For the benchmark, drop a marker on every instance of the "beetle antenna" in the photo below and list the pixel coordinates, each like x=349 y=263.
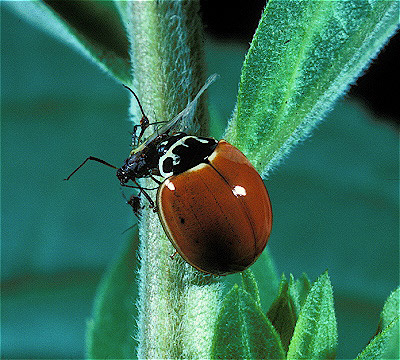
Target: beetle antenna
x=94 y=159
x=129 y=228
x=137 y=99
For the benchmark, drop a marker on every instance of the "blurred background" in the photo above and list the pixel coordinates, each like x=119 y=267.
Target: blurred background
x=335 y=198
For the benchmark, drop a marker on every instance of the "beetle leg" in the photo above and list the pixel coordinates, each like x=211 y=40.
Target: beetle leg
x=139 y=187
x=142 y=190
x=144 y=124
x=145 y=194
x=134 y=137
x=173 y=255
x=155 y=180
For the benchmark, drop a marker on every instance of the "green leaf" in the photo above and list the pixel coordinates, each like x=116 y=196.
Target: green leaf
x=92 y=27
x=285 y=309
x=282 y=313
x=250 y=285
x=298 y=290
x=315 y=334
x=391 y=310
x=243 y=331
x=267 y=278
x=303 y=286
x=302 y=58
x=111 y=330
x=385 y=345
x=265 y=273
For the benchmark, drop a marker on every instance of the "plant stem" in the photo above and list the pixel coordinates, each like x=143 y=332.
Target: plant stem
x=177 y=304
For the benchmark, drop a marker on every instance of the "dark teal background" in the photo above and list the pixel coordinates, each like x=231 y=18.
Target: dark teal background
x=335 y=198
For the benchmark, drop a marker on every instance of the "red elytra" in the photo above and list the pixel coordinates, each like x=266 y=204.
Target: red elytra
x=218 y=214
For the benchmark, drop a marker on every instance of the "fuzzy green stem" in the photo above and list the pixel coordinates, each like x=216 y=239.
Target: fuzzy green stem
x=177 y=304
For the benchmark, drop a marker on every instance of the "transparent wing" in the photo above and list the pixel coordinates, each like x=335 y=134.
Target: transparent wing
x=184 y=120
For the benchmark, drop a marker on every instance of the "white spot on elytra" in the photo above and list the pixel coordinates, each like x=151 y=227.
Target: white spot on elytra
x=169 y=185
x=239 y=191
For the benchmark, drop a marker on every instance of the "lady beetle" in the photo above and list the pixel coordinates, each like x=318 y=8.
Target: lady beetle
x=212 y=204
